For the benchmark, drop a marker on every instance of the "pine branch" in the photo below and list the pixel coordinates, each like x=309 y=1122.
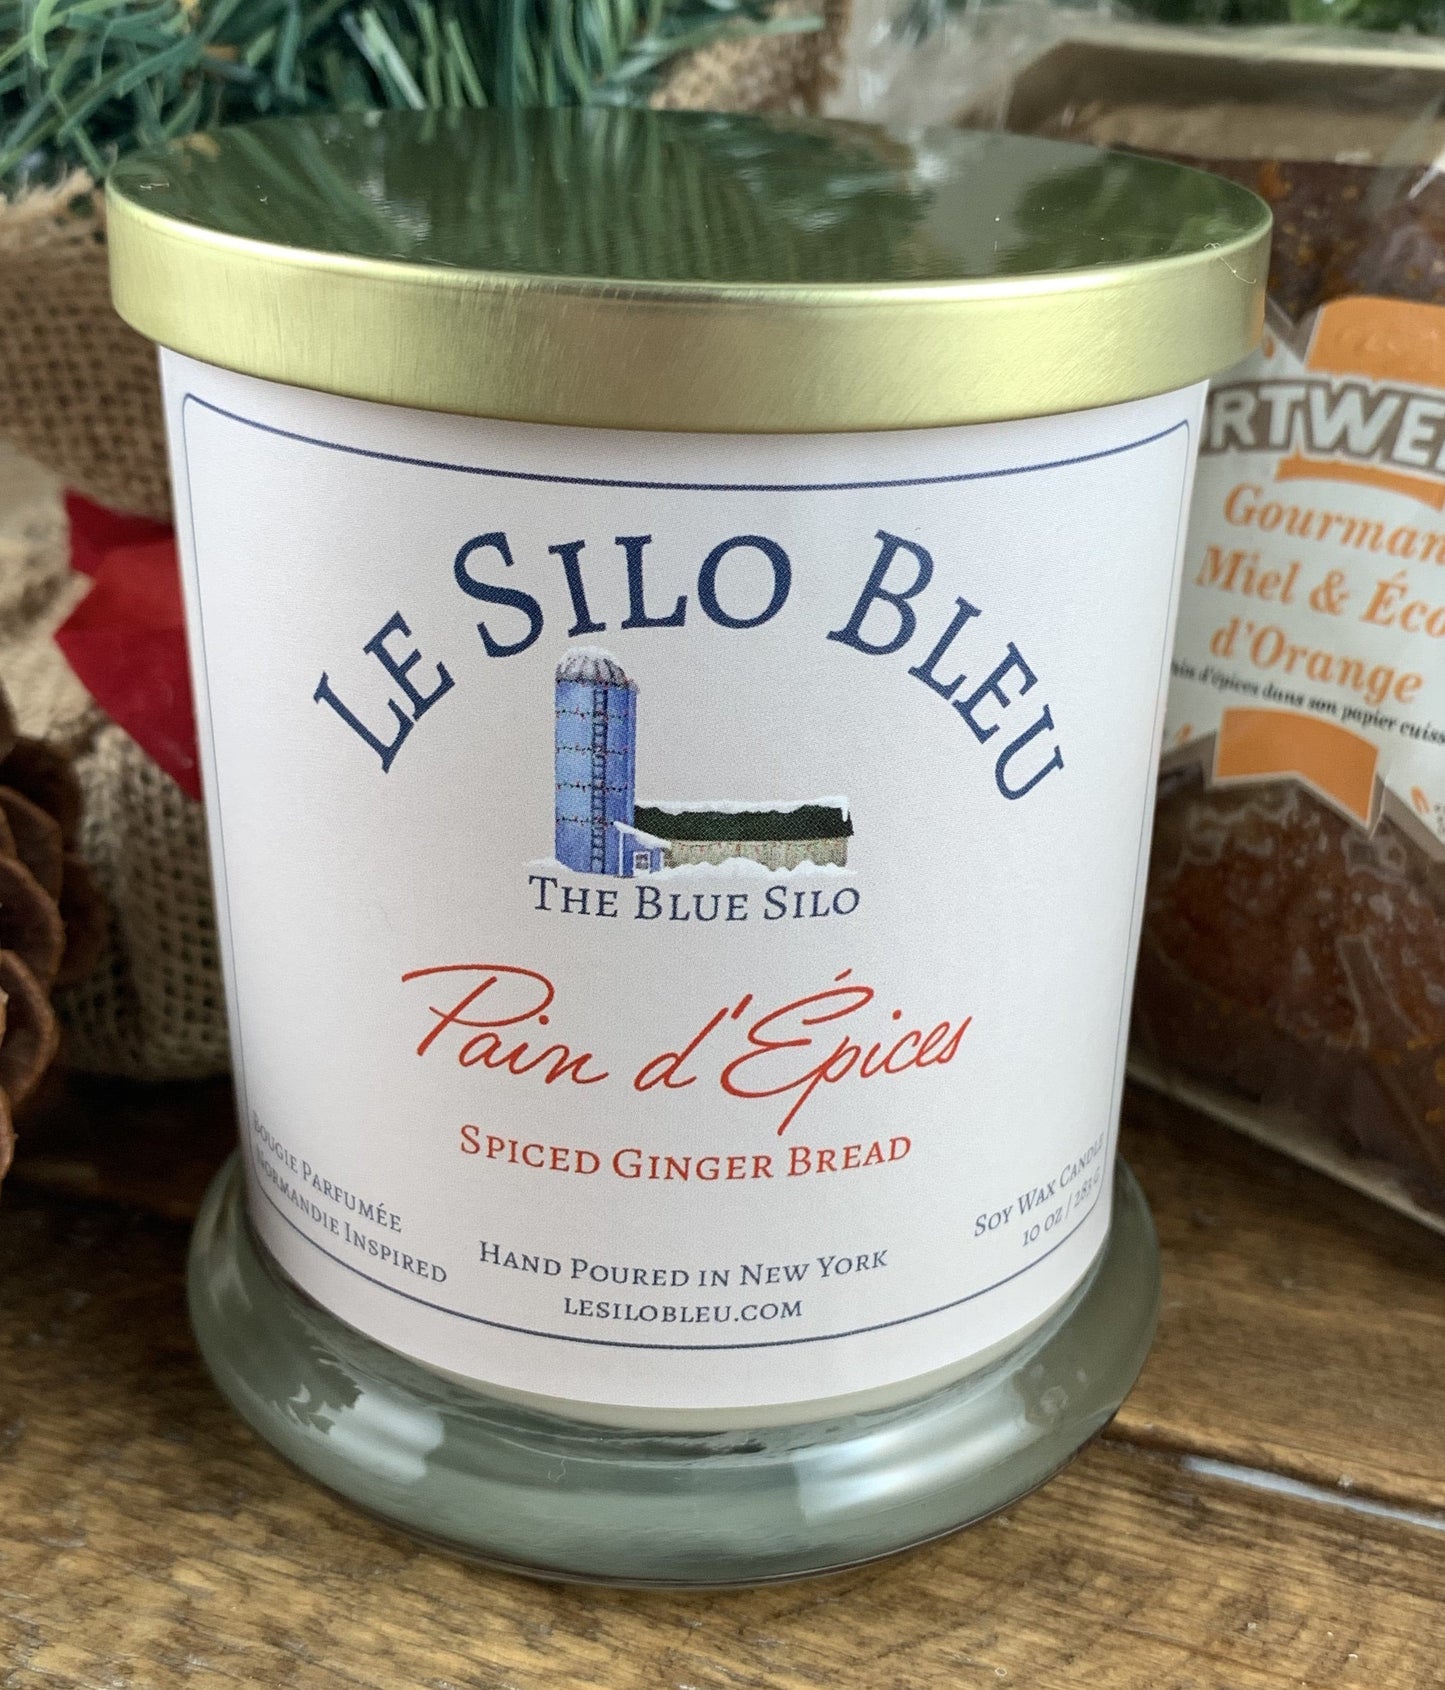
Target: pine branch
x=82 y=81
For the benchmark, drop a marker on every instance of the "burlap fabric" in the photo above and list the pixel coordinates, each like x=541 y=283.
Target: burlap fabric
x=79 y=396
x=760 y=72
x=78 y=389
x=152 y=1008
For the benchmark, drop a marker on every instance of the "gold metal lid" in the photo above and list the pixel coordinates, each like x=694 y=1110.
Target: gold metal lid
x=677 y=270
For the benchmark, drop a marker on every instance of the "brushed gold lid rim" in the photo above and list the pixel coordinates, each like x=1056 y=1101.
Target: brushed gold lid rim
x=691 y=355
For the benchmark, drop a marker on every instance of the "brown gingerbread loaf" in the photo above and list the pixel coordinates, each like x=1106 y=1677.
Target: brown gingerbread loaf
x=1299 y=964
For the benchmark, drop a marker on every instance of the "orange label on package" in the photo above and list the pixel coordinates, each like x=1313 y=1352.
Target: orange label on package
x=1266 y=744
x=1312 y=620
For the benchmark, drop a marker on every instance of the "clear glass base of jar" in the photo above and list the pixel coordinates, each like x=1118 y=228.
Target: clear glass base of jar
x=564 y=1499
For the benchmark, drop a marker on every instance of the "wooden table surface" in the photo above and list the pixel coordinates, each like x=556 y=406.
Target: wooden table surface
x=1267 y=1510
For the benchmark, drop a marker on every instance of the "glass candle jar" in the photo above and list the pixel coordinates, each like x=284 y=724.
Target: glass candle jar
x=679 y=606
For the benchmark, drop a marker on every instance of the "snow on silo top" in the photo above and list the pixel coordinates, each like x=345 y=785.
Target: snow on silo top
x=592 y=664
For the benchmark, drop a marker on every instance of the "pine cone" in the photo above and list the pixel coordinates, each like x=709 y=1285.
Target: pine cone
x=52 y=920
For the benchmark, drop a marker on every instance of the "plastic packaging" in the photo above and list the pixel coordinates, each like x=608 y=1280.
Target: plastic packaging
x=1292 y=972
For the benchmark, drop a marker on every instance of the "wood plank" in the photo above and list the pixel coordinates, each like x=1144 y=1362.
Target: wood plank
x=147 y=1539
x=153 y=1146
x=1303 y=1327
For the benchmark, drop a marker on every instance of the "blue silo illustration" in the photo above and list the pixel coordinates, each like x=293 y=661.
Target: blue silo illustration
x=596 y=760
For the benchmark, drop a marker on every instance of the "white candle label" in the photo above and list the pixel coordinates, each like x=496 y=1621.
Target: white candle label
x=678 y=894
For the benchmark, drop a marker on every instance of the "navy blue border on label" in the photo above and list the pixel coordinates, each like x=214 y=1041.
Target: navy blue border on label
x=257 y=1184
x=677 y=486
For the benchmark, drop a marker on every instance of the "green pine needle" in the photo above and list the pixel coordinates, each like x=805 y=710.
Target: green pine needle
x=83 y=81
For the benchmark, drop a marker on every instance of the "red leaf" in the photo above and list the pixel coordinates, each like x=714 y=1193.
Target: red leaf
x=126 y=639
x=94 y=531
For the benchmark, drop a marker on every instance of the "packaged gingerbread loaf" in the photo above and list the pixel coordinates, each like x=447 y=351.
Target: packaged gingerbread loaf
x=1292 y=973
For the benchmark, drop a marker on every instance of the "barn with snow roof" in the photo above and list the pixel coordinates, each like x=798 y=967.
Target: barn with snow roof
x=602 y=829
x=783 y=835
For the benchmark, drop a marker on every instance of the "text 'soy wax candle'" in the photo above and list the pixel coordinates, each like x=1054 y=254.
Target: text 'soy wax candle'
x=680 y=606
